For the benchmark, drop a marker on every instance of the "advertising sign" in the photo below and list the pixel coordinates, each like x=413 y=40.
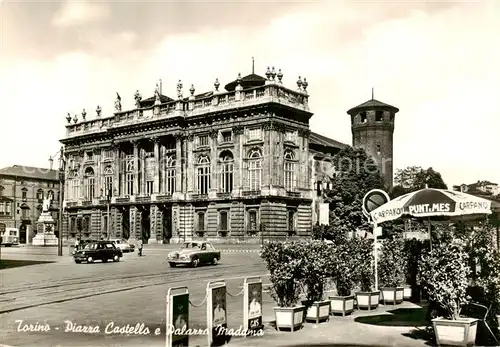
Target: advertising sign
x=177 y=322
x=216 y=312
x=252 y=304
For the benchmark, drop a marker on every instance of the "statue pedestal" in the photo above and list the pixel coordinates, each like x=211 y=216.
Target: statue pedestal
x=45 y=231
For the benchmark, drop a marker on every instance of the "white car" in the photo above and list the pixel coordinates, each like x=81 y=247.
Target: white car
x=123 y=245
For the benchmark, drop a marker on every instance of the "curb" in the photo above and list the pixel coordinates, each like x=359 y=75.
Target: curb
x=240 y=250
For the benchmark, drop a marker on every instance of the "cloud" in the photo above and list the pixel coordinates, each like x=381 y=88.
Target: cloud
x=75 y=13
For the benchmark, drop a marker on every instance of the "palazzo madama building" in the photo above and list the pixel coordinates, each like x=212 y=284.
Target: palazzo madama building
x=237 y=162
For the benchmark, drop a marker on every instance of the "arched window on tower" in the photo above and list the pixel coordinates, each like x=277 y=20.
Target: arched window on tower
x=226 y=170
x=89 y=184
x=203 y=175
x=255 y=169
x=290 y=167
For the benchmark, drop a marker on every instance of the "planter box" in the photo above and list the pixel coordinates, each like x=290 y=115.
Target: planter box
x=367 y=300
x=341 y=304
x=317 y=311
x=289 y=317
x=392 y=295
x=461 y=332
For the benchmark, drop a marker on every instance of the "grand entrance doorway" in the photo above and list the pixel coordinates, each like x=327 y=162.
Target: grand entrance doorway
x=167 y=224
x=126 y=223
x=145 y=223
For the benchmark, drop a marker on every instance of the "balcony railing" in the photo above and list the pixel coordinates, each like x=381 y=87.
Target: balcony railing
x=219 y=101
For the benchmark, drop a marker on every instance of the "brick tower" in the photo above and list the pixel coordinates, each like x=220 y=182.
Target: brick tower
x=372 y=126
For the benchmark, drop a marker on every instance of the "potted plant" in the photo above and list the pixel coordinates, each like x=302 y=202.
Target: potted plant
x=366 y=298
x=444 y=273
x=285 y=264
x=392 y=270
x=342 y=268
x=315 y=274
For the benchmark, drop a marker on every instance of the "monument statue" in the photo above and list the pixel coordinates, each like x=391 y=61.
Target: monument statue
x=137 y=98
x=46 y=203
x=157 y=95
x=118 y=102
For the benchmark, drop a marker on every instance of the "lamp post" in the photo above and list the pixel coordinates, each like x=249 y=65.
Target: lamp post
x=62 y=167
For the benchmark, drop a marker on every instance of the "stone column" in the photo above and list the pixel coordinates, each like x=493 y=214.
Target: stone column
x=154 y=223
x=214 y=175
x=266 y=164
x=142 y=164
x=179 y=162
x=238 y=159
x=82 y=179
x=117 y=168
x=189 y=165
x=156 y=187
x=136 y=166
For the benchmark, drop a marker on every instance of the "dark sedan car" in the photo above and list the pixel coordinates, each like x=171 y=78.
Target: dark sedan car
x=98 y=250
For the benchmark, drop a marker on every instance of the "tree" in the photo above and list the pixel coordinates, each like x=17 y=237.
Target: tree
x=415 y=178
x=356 y=173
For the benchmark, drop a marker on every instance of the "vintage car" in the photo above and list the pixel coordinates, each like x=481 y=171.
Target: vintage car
x=123 y=245
x=98 y=250
x=194 y=253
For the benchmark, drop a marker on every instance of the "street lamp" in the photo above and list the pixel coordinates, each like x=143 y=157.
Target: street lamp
x=62 y=167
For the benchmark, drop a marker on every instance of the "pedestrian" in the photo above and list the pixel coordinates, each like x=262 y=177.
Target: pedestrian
x=139 y=246
x=77 y=243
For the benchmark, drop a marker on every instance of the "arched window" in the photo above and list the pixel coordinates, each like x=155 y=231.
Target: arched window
x=89 y=183
x=129 y=175
x=39 y=194
x=227 y=168
x=169 y=185
x=290 y=167
x=108 y=181
x=203 y=171
x=75 y=186
x=255 y=169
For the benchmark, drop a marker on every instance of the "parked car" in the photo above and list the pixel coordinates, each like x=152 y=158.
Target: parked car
x=194 y=253
x=123 y=245
x=98 y=250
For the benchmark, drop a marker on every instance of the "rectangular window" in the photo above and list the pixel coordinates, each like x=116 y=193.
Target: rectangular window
x=289 y=176
x=252 y=220
x=2 y=209
x=379 y=116
x=149 y=187
x=203 y=180
x=254 y=134
x=25 y=195
x=226 y=136
x=170 y=181
x=201 y=221
x=129 y=179
x=7 y=208
x=203 y=140
x=291 y=220
x=223 y=221
x=90 y=156
x=363 y=117
x=24 y=213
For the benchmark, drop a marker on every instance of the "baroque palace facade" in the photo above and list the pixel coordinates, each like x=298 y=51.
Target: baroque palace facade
x=235 y=163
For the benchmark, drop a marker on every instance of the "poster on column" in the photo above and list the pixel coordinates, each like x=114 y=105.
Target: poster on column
x=254 y=306
x=180 y=319
x=218 y=315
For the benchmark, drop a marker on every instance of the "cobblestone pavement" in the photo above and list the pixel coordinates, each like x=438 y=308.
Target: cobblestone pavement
x=133 y=291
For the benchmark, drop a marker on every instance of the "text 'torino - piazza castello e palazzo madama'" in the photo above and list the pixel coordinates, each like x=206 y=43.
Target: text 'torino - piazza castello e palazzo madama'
x=230 y=163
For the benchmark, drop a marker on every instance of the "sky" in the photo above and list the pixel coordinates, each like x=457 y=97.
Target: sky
x=436 y=61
